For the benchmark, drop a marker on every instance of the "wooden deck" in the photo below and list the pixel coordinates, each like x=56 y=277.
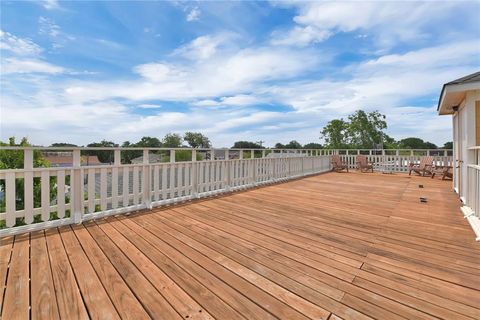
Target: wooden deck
x=332 y=246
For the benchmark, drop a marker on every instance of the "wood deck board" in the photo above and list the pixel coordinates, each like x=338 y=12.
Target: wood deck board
x=332 y=246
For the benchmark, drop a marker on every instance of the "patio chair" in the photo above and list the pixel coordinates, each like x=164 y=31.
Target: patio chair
x=338 y=164
x=363 y=164
x=423 y=168
x=445 y=171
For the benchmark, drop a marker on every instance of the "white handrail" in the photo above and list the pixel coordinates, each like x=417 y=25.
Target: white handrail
x=78 y=193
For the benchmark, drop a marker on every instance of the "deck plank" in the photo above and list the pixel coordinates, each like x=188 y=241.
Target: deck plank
x=6 y=246
x=126 y=303
x=151 y=298
x=69 y=299
x=95 y=297
x=43 y=296
x=331 y=246
x=17 y=295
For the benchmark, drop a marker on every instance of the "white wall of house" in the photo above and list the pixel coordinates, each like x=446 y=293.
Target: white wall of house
x=464 y=136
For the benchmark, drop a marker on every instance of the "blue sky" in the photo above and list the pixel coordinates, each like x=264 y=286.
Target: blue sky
x=274 y=71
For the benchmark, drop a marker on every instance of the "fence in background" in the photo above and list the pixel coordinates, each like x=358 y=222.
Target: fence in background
x=39 y=198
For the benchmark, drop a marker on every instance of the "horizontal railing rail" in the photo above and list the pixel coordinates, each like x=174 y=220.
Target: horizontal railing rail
x=39 y=198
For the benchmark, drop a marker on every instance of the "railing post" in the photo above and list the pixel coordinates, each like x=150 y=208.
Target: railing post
x=263 y=153
x=117 y=157
x=76 y=211
x=146 y=189
x=172 y=155
x=28 y=184
x=194 y=178
x=252 y=154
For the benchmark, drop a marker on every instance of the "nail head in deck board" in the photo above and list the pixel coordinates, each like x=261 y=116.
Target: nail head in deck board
x=16 y=304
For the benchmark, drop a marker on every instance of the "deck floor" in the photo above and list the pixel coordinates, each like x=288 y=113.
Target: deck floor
x=332 y=246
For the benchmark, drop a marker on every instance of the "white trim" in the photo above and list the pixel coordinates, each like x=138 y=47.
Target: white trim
x=473 y=220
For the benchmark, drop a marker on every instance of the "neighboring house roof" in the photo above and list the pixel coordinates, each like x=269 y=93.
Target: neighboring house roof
x=453 y=92
x=152 y=158
x=64 y=159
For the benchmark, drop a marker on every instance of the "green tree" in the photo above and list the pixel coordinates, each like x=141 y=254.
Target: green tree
x=294 y=144
x=149 y=142
x=448 y=145
x=247 y=145
x=430 y=145
x=415 y=143
x=172 y=140
x=197 y=140
x=335 y=134
x=279 y=145
x=105 y=156
x=313 y=145
x=365 y=130
x=63 y=144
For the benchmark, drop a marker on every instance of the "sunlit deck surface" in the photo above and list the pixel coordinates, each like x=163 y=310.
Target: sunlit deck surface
x=332 y=246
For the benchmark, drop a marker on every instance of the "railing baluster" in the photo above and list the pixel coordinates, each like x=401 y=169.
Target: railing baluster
x=10 y=199
x=61 y=194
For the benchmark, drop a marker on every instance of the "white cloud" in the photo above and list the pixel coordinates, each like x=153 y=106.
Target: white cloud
x=194 y=14
x=300 y=36
x=238 y=100
x=14 y=65
x=388 y=22
x=50 y=4
x=224 y=75
x=48 y=27
x=18 y=45
x=149 y=106
x=200 y=48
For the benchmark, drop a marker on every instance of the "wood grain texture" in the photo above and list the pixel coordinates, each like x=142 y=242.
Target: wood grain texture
x=332 y=246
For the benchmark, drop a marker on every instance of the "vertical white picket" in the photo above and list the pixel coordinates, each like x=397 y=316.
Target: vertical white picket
x=180 y=186
x=136 y=186
x=207 y=176
x=164 y=181
x=126 y=190
x=103 y=189
x=45 y=194
x=156 y=182
x=10 y=199
x=188 y=186
x=172 y=178
x=61 y=194
x=114 y=187
x=28 y=183
x=91 y=190
x=201 y=178
x=218 y=181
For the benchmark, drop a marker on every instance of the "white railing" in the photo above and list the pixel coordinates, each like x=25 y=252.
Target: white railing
x=39 y=198
x=397 y=163
x=471 y=209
